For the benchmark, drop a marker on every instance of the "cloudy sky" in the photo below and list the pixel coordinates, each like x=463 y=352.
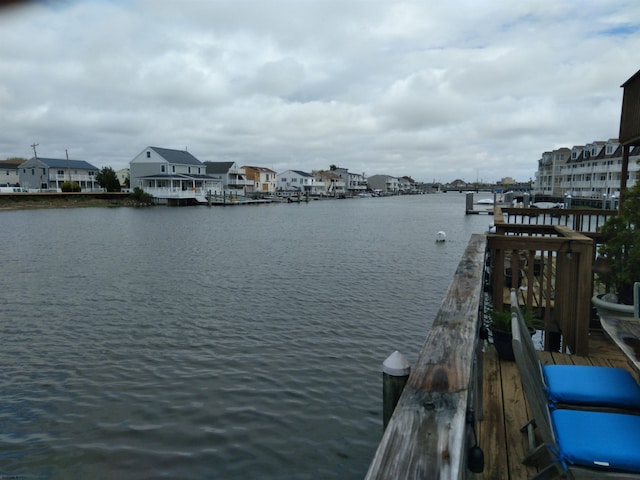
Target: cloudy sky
x=438 y=90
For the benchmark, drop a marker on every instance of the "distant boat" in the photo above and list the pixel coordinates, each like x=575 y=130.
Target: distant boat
x=547 y=205
x=485 y=201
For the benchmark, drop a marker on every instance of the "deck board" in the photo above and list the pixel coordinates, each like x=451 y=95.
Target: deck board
x=505 y=409
x=516 y=415
x=491 y=427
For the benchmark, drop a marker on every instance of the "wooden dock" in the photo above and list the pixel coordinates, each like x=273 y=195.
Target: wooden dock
x=505 y=409
x=457 y=382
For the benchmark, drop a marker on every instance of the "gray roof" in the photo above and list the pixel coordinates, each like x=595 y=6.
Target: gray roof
x=218 y=167
x=178 y=157
x=9 y=165
x=63 y=163
x=302 y=174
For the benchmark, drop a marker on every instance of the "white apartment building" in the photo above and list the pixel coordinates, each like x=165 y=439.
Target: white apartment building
x=589 y=171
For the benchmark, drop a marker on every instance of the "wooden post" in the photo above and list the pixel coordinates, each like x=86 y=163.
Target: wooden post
x=623 y=174
x=395 y=372
x=469 y=202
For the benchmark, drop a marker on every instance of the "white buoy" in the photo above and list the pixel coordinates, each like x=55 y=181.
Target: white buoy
x=441 y=236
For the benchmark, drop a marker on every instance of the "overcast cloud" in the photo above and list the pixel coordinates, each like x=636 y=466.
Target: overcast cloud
x=436 y=90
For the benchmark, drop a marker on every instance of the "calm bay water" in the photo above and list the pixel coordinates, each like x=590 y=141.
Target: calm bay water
x=231 y=343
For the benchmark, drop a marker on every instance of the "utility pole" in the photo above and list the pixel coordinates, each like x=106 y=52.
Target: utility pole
x=35 y=154
x=68 y=170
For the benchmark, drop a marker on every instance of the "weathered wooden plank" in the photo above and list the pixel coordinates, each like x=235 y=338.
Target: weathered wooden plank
x=515 y=408
x=491 y=429
x=426 y=435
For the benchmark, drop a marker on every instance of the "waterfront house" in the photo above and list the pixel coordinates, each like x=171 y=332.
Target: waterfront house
x=334 y=185
x=123 y=176
x=299 y=182
x=385 y=184
x=229 y=175
x=404 y=185
x=263 y=180
x=9 y=170
x=50 y=173
x=170 y=175
x=355 y=183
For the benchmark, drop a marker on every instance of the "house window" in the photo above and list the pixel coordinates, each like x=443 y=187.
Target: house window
x=60 y=172
x=173 y=168
x=33 y=171
x=198 y=170
x=162 y=168
x=44 y=172
x=148 y=154
x=188 y=169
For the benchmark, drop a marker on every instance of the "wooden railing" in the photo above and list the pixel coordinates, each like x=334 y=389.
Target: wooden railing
x=426 y=437
x=551 y=266
x=578 y=219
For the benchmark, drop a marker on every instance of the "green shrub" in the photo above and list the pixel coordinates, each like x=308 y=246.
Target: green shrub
x=70 y=187
x=139 y=195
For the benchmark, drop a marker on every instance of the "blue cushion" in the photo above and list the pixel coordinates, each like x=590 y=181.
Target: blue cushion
x=584 y=385
x=598 y=439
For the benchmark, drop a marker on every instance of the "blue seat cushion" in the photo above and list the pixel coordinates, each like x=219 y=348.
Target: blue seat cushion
x=584 y=385
x=604 y=440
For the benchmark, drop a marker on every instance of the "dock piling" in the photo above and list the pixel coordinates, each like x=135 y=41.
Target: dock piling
x=395 y=372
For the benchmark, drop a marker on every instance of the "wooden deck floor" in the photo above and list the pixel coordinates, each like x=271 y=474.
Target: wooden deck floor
x=505 y=409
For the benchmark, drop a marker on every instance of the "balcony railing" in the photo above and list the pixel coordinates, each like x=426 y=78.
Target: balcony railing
x=74 y=178
x=162 y=192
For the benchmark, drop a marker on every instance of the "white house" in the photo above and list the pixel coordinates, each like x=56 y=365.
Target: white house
x=229 y=175
x=355 y=183
x=50 y=173
x=171 y=175
x=9 y=170
x=296 y=181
